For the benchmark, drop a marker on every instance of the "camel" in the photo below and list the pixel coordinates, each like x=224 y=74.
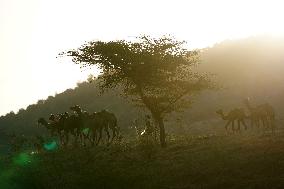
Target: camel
x=86 y=122
x=263 y=113
x=236 y=114
x=48 y=126
x=270 y=113
x=111 y=122
x=38 y=143
x=100 y=124
x=69 y=125
x=58 y=123
x=97 y=122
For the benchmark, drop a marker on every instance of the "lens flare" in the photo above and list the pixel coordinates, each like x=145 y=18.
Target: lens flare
x=85 y=131
x=51 y=146
x=22 y=159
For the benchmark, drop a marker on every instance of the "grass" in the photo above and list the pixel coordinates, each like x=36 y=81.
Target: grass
x=188 y=162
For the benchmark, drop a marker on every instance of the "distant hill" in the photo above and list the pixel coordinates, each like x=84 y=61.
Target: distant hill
x=251 y=67
x=85 y=94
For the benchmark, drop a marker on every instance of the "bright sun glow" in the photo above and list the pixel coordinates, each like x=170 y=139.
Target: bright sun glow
x=33 y=32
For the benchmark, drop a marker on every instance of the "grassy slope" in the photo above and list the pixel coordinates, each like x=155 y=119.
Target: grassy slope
x=211 y=162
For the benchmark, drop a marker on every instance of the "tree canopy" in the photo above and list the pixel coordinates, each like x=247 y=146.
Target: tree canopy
x=156 y=72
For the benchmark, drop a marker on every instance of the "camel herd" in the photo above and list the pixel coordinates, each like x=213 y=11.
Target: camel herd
x=262 y=115
x=85 y=127
x=82 y=126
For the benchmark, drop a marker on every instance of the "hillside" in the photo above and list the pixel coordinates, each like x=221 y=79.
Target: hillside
x=199 y=154
x=251 y=67
x=85 y=94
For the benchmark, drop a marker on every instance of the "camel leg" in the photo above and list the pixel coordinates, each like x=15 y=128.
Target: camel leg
x=226 y=126
x=257 y=123
x=100 y=135
x=108 y=135
x=67 y=138
x=244 y=123
x=239 y=126
x=113 y=134
x=89 y=137
x=94 y=137
x=233 y=126
x=76 y=137
x=273 y=126
x=63 y=138
x=60 y=138
x=264 y=124
x=81 y=137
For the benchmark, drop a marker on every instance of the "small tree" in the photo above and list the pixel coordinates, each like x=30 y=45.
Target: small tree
x=156 y=73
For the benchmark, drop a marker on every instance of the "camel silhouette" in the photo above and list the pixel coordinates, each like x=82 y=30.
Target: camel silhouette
x=236 y=114
x=49 y=126
x=111 y=122
x=84 y=123
x=262 y=114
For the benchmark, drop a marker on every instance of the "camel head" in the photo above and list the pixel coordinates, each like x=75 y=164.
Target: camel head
x=66 y=114
x=104 y=110
x=94 y=114
x=52 y=117
x=221 y=113
x=85 y=113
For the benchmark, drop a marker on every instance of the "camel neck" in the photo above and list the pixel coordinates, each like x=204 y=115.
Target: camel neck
x=224 y=117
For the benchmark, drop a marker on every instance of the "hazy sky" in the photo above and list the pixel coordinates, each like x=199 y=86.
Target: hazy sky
x=33 y=32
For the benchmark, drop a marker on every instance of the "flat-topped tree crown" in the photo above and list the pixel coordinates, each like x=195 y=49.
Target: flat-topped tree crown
x=157 y=73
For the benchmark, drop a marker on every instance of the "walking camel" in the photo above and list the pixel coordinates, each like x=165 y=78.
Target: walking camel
x=49 y=126
x=85 y=124
x=97 y=122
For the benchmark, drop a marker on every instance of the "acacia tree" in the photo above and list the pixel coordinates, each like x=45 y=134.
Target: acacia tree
x=155 y=72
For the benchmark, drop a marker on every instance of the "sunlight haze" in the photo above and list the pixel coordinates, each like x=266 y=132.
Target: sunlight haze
x=33 y=32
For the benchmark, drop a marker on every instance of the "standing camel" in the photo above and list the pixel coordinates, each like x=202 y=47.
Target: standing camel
x=263 y=113
x=58 y=122
x=270 y=113
x=50 y=127
x=234 y=115
x=111 y=122
x=98 y=122
x=88 y=122
x=257 y=115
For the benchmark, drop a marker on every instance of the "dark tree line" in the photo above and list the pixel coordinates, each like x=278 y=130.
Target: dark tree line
x=86 y=94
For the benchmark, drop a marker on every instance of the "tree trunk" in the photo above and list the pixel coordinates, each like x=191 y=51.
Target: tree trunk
x=162 y=131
